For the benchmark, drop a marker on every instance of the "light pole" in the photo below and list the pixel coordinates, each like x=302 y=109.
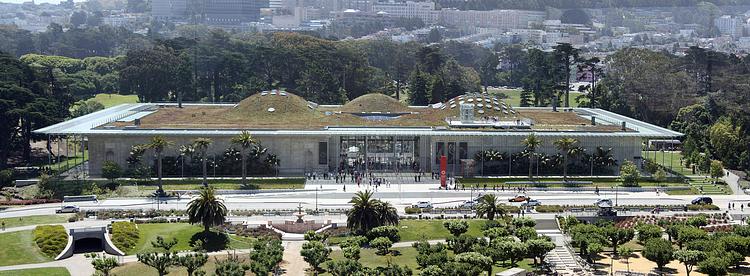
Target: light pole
x=316 y=200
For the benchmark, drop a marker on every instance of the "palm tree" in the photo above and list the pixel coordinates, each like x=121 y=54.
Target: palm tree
x=489 y=206
x=201 y=145
x=158 y=144
x=245 y=141
x=207 y=210
x=387 y=214
x=566 y=145
x=603 y=158
x=531 y=142
x=367 y=213
x=185 y=150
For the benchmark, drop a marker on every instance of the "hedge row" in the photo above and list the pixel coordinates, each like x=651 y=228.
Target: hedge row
x=51 y=239
x=124 y=235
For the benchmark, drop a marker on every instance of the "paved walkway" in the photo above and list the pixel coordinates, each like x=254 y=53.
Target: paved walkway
x=293 y=263
x=77 y=265
x=733 y=181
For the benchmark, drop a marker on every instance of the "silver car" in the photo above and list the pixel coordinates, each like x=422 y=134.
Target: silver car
x=68 y=209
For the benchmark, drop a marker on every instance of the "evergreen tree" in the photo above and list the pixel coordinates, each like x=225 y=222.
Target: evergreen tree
x=418 y=88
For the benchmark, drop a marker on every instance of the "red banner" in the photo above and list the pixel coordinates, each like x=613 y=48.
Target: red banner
x=443 y=167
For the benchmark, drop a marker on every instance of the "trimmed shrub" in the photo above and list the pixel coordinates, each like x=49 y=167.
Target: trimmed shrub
x=550 y=209
x=51 y=239
x=390 y=232
x=124 y=235
x=412 y=210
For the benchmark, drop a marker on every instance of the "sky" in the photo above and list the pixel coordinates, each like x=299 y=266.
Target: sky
x=37 y=1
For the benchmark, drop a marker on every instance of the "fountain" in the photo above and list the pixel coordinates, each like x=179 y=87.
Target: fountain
x=300 y=214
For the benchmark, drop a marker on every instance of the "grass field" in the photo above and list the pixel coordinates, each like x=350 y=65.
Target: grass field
x=405 y=256
x=601 y=182
x=33 y=220
x=229 y=184
x=48 y=271
x=182 y=231
x=19 y=248
x=71 y=162
x=669 y=159
x=139 y=269
x=414 y=230
x=110 y=100
x=514 y=96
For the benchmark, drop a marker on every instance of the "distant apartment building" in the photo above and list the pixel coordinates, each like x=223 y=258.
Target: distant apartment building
x=233 y=12
x=168 y=9
x=215 y=12
x=498 y=19
x=360 y=5
x=409 y=9
x=729 y=25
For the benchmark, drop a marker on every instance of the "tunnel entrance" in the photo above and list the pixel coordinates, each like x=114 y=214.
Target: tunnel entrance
x=87 y=245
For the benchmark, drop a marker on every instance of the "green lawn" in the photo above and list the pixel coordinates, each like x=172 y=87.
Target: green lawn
x=182 y=231
x=110 y=100
x=406 y=256
x=34 y=220
x=228 y=184
x=19 y=248
x=601 y=182
x=49 y=271
x=71 y=162
x=668 y=159
x=414 y=230
x=514 y=96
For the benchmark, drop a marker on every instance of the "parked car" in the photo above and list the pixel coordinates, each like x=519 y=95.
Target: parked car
x=531 y=203
x=469 y=204
x=68 y=209
x=423 y=204
x=604 y=201
x=702 y=200
x=519 y=198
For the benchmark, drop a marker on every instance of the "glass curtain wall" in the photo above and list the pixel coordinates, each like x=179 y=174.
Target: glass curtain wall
x=379 y=153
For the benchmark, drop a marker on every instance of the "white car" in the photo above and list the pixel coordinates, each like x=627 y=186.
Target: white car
x=68 y=209
x=531 y=203
x=423 y=205
x=604 y=202
x=469 y=204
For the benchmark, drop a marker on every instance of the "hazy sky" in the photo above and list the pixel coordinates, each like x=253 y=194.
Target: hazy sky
x=37 y=1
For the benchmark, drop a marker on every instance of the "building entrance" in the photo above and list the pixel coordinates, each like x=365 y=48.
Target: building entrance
x=379 y=153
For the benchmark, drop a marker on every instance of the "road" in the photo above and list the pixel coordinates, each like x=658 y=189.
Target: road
x=333 y=197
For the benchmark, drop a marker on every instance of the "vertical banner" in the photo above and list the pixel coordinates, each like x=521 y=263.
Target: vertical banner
x=443 y=167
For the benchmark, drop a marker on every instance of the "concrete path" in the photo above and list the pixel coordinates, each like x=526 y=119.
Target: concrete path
x=77 y=265
x=733 y=181
x=293 y=263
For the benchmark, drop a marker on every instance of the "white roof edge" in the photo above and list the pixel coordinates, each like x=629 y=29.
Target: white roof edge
x=85 y=125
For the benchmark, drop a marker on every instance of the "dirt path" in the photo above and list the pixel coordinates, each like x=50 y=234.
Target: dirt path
x=293 y=263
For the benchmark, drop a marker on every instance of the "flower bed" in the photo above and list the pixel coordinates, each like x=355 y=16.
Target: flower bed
x=51 y=239
x=17 y=202
x=712 y=219
x=245 y=231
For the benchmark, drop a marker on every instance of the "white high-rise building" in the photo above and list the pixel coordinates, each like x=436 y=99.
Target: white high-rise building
x=409 y=9
x=168 y=9
x=729 y=25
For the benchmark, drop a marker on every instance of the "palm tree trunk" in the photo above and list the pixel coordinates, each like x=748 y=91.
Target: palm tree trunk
x=530 y=166
x=244 y=170
x=205 y=172
x=158 y=165
x=565 y=168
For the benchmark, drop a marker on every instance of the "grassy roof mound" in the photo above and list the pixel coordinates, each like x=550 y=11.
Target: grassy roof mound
x=282 y=105
x=374 y=102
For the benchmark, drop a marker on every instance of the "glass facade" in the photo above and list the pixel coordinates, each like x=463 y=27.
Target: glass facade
x=379 y=153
